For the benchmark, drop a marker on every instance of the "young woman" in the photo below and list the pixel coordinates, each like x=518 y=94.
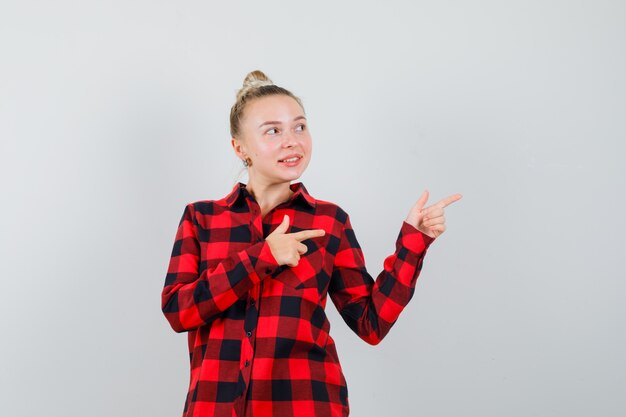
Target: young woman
x=250 y=273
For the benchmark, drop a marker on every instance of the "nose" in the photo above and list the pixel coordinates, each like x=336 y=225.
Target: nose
x=289 y=139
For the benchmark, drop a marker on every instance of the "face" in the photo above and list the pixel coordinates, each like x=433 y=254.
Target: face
x=273 y=128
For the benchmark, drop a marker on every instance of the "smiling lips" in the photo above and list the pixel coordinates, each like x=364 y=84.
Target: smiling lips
x=290 y=160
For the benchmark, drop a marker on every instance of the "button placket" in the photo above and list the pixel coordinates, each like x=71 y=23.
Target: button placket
x=251 y=320
x=252 y=313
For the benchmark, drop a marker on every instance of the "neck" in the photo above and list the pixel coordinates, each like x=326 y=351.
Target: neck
x=269 y=195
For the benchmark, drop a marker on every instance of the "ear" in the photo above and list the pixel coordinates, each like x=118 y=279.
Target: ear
x=238 y=147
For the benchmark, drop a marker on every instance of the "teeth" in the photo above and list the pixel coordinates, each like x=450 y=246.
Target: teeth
x=291 y=159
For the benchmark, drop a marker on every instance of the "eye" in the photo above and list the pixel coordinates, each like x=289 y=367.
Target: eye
x=300 y=128
x=272 y=131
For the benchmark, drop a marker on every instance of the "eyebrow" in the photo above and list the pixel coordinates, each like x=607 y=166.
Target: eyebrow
x=275 y=122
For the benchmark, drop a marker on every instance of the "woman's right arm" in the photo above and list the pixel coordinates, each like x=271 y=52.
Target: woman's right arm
x=190 y=299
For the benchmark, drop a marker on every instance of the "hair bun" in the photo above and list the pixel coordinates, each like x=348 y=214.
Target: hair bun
x=254 y=79
x=255 y=76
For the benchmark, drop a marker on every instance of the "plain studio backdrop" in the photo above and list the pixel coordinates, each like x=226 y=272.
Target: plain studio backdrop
x=114 y=116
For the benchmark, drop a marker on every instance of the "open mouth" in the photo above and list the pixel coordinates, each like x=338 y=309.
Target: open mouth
x=291 y=160
x=294 y=159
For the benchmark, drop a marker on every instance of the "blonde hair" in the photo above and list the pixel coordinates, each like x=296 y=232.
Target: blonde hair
x=255 y=85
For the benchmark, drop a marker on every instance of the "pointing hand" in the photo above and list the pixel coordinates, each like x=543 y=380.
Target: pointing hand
x=430 y=220
x=286 y=247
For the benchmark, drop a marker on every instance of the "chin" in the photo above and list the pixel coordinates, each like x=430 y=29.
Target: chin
x=292 y=174
x=292 y=177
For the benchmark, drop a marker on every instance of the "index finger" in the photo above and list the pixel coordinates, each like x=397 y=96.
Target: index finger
x=307 y=234
x=448 y=200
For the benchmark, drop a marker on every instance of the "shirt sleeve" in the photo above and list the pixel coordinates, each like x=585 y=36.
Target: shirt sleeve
x=370 y=308
x=190 y=298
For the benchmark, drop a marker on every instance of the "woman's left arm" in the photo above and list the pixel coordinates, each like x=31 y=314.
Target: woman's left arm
x=370 y=308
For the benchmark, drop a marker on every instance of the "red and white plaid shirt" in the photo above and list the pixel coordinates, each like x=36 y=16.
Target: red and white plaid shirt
x=258 y=335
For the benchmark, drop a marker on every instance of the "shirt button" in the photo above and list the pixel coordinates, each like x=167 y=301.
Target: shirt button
x=247 y=363
x=268 y=270
x=248 y=334
x=251 y=302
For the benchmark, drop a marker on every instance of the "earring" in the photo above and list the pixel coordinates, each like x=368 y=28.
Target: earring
x=247 y=162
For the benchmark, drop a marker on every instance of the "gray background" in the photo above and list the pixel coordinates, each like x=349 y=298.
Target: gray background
x=114 y=115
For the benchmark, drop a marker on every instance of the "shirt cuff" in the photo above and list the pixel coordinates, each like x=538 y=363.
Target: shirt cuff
x=413 y=239
x=262 y=259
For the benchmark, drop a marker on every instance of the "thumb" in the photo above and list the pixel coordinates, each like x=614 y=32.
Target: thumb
x=283 y=226
x=422 y=201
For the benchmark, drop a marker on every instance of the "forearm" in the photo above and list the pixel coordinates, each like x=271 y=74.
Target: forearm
x=370 y=308
x=190 y=300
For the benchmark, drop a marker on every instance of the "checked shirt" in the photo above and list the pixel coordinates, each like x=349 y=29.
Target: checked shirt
x=258 y=336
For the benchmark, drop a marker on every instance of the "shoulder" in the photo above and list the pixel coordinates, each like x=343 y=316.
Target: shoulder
x=207 y=206
x=328 y=208
x=198 y=209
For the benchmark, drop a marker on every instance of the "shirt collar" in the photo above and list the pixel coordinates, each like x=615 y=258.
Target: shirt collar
x=300 y=193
